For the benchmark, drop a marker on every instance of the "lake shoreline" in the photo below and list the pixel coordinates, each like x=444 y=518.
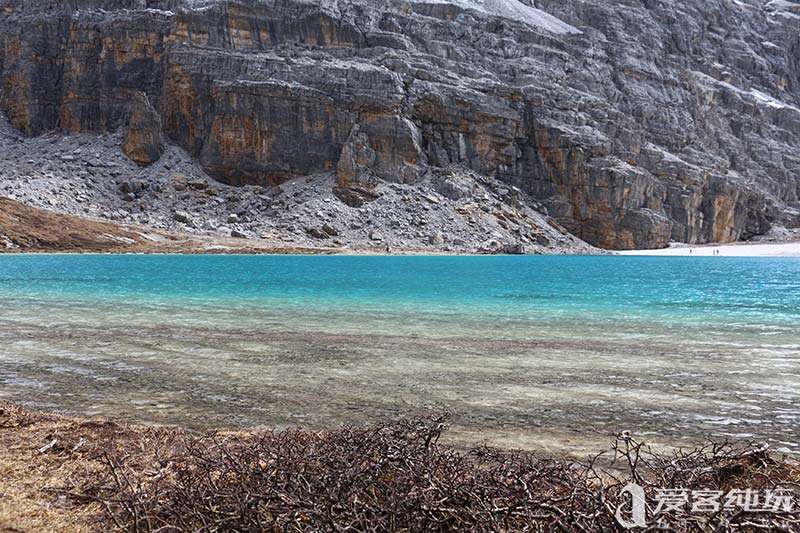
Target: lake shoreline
x=736 y=249
x=24 y=229
x=200 y=246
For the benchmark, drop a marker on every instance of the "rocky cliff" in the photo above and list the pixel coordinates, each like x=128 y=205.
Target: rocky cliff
x=630 y=123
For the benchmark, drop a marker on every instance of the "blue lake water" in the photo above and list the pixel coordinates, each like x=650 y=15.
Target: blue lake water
x=555 y=353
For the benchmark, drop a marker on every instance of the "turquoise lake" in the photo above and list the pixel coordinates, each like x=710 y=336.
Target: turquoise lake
x=555 y=353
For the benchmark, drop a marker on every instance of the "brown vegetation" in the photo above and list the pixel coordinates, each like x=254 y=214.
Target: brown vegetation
x=27 y=229
x=69 y=474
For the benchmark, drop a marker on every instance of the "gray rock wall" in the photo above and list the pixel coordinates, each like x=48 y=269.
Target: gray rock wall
x=633 y=122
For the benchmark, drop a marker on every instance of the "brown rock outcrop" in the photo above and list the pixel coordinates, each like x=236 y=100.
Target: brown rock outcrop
x=143 y=143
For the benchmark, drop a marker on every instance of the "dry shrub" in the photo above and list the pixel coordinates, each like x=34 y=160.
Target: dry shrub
x=399 y=478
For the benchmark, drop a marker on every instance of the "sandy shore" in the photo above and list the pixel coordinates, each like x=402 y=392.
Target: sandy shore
x=783 y=249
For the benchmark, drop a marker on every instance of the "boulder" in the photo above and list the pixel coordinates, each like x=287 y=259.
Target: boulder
x=513 y=249
x=437 y=239
x=317 y=233
x=182 y=217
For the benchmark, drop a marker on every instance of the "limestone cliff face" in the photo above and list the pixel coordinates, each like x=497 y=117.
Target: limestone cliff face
x=143 y=142
x=634 y=123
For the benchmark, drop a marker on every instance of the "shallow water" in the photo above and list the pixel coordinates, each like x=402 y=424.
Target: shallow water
x=553 y=353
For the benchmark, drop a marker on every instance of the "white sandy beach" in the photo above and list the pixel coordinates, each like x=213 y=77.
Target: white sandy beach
x=782 y=249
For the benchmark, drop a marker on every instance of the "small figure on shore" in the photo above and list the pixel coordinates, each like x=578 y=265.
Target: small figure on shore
x=690 y=251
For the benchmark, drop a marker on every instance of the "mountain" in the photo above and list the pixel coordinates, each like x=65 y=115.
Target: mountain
x=626 y=124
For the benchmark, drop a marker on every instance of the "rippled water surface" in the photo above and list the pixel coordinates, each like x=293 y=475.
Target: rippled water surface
x=555 y=353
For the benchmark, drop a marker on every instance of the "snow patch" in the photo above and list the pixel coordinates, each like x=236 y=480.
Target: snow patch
x=783 y=8
x=162 y=12
x=759 y=96
x=510 y=9
x=782 y=4
x=770 y=101
x=786 y=14
x=199 y=5
x=514 y=10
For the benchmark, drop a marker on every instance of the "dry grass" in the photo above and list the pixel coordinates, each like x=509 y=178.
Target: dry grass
x=28 y=465
x=70 y=474
x=29 y=229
